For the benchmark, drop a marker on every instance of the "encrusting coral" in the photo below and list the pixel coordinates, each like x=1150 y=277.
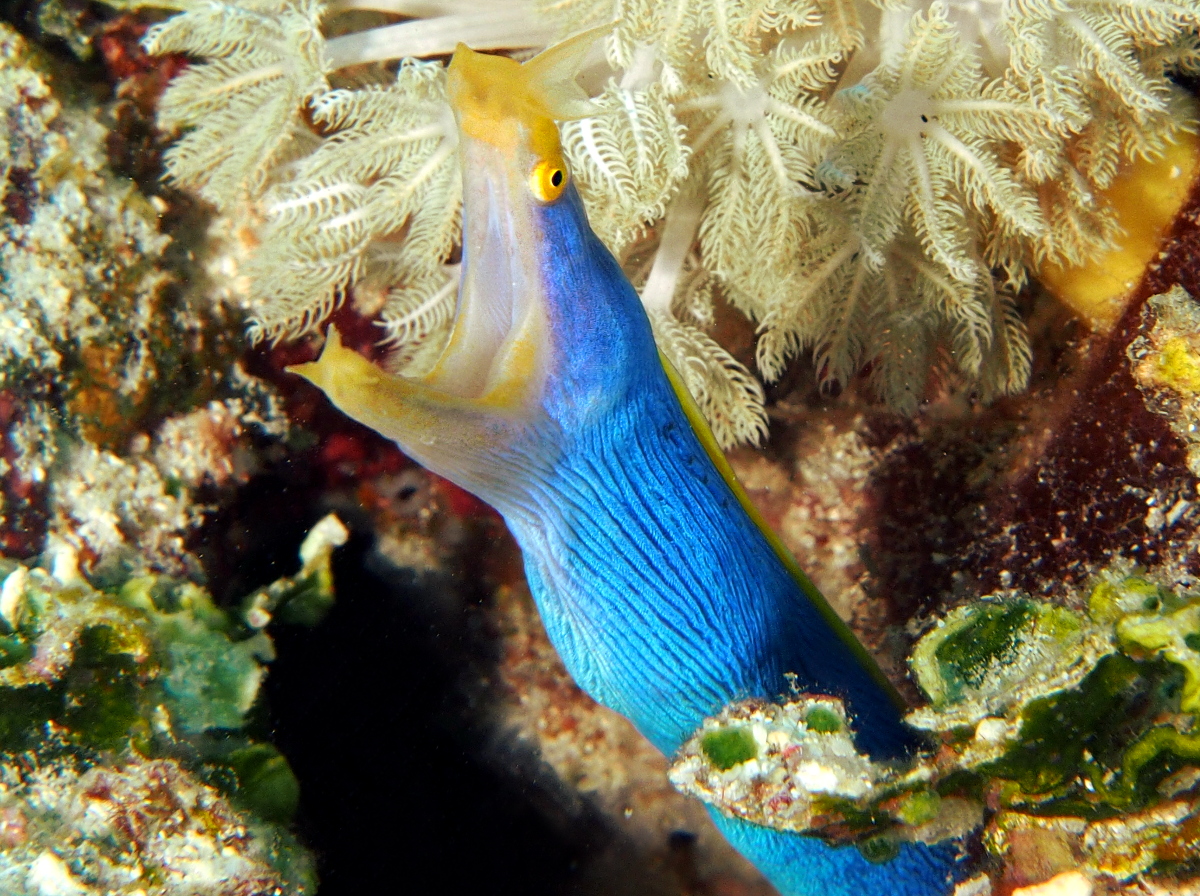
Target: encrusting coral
x=129 y=763
x=868 y=181
x=1053 y=726
x=133 y=758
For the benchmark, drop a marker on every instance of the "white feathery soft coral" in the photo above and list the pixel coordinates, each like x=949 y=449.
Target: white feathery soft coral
x=758 y=146
x=922 y=134
x=417 y=317
x=725 y=33
x=388 y=169
x=628 y=158
x=1071 y=54
x=243 y=109
x=728 y=395
x=868 y=180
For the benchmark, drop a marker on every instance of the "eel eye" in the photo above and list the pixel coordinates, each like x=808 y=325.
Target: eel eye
x=548 y=180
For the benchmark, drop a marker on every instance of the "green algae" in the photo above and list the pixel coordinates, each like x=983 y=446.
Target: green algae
x=823 y=721
x=729 y=747
x=1070 y=754
x=138 y=690
x=265 y=782
x=984 y=658
x=1057 y=727
x=102 y=663
x=879 y=850
x=968 y=653
x=1060 y=728
x=1113 y=599
x=1173 y=636
x=211 y=681
x=1094 y=750
x=13 y=651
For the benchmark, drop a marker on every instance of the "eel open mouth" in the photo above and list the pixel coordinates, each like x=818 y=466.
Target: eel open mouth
x=506 y=113
x=498 y=338
x=487 y=386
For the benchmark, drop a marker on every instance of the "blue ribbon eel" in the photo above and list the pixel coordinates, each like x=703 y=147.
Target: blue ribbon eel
x=656 y=581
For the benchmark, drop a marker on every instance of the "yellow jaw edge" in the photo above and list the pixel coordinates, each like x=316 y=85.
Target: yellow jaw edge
x=406 y=410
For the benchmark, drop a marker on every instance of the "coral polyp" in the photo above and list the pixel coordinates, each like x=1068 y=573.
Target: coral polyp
x=868 y=182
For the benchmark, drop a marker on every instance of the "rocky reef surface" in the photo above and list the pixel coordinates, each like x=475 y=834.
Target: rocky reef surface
x=182 y=711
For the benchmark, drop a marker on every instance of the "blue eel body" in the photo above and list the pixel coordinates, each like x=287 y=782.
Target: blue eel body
x=664 y=598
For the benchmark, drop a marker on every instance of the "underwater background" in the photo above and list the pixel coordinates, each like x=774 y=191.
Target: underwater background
x=246 y=645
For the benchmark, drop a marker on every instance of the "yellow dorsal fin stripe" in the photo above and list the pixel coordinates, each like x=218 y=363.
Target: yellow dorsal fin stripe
x=717 y=456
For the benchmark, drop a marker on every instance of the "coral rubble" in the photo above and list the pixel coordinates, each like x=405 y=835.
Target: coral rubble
x=143 y=826
x=127 y=762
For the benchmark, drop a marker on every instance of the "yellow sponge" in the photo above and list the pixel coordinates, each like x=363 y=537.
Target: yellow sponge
x=1145 y=197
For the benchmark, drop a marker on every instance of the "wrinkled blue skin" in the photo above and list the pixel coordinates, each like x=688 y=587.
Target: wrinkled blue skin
x=663 y=598
x=550 y=402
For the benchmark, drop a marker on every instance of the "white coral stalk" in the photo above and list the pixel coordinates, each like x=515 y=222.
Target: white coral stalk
x=507 y=26
x=727 y=393
x=676 y=239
